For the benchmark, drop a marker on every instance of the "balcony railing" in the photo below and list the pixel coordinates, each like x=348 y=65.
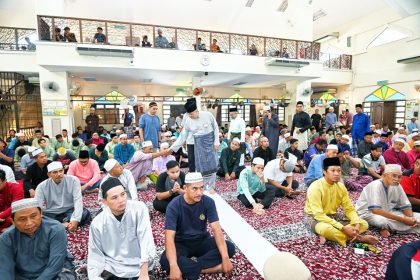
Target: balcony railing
x=336 y=61
x=13 y=38
x=132 y=34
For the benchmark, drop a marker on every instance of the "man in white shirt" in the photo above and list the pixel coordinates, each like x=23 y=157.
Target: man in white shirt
x=115 y=170
x=278 y=173
x=120 y=238
x=10 y=176
x=237 y=129
x=384 y=204
x=61 y=198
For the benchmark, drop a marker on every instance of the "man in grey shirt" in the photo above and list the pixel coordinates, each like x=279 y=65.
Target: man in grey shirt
x=61 y=198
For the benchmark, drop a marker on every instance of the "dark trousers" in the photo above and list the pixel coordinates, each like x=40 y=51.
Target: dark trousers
x=266 y=197
x=415 y=208
x=280 y=193
x=399 y=267
x=66 y=216
x=160 y=205
x=221 y=173
x=204 y=250
x=191 y=158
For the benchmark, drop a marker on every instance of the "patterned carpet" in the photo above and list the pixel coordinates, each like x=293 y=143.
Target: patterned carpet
x=282 y=226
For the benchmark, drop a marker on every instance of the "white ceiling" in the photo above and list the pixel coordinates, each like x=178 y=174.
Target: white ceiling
x=340 y=12
x=174 y=78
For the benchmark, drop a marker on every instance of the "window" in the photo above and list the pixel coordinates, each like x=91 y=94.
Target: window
x=109 y=114
x=400 y=113
x=243 y=111
x=280 y=112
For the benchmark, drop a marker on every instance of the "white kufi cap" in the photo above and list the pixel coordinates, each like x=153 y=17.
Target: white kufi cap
x=193 y=177
x=109 y=164
x=55 y=165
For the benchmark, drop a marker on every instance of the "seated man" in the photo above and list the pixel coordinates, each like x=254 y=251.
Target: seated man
x=36 y=173
x=410 y=182
x=229 y=161
x=65 y=157
x=100 y=155
x=186 y=235
x=123 y=152
x=48 y=151
x=323 y=199
x=27 y=159
x=169 y=185
x=136 y=142
x=87 y=171
x=121 y=243
x=9 y=193
x=343 y=145
x=141 y=164
x=293 y=150
x=251 y=186
x=383 y=142
x=396 y=155
x=383 y=204
x=413 y=153
x=36 y=247
x=223 y=145
x=315 y=167
x=314 y=150
x=110 y=146
x=264 y=151
x=159 y=163
x=115 y=170
x=278 y=174
x=62 y=198
x=364 y=146
x=347 y=163
x=284 y=142
x=374 y=163
x=10 y=176
x=60 y=142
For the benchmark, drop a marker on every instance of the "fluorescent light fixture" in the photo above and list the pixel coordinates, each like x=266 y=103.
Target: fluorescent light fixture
x=319 y=14
x=249 y=3
x=239 y=84
x=411 y=59
x=327 y=37
x=89 y=79
x=283 y=6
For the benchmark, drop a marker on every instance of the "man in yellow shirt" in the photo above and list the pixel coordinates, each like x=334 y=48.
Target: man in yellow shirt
x=323 y=199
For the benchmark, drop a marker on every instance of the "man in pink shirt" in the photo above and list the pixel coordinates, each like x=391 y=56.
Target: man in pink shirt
x=413 y=153
x=87 y=171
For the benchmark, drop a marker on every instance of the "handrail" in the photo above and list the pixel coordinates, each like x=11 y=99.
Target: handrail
x=128 y=33
x=11 y=37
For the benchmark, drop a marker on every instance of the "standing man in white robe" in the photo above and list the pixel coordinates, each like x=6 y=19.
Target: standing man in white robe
x=237 y=129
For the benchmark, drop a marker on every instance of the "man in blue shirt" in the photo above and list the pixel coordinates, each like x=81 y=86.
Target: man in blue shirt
x=383 y=143
x=35 y=247
x=161 y=41
x=186 y=235
x=361 y=125
x=314 y=150
x=123 y=152
x=330 y=119
x=315 y=168
x=99 y=36
x=150 y=126
x=6 y=155
x=412 y=125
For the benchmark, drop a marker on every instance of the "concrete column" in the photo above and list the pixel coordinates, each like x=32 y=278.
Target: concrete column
x=61 y=118
x=297 y=88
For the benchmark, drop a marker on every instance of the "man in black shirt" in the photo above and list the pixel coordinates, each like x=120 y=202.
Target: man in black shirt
x=293 y=150
x=169 y=185
x=264 y=151
x=36 y=173
x=300 y=125
x=316 y=120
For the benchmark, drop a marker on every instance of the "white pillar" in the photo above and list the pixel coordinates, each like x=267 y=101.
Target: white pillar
x=297 y=88
x=57 y=109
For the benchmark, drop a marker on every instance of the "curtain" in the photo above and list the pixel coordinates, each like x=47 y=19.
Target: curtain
x=253 y=116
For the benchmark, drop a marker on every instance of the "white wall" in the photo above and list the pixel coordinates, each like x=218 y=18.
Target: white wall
x=18 y=13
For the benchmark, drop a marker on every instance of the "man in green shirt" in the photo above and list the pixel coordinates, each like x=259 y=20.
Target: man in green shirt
x=229 y=161
x=251 y=189
x=59 y=142
x=48 y=151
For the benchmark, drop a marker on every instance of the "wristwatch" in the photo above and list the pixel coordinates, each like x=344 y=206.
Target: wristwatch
x=171 y=192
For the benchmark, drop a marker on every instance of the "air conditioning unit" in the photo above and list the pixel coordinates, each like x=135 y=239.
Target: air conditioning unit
x=33 y=80
x=271 y=61
x=114 y=51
